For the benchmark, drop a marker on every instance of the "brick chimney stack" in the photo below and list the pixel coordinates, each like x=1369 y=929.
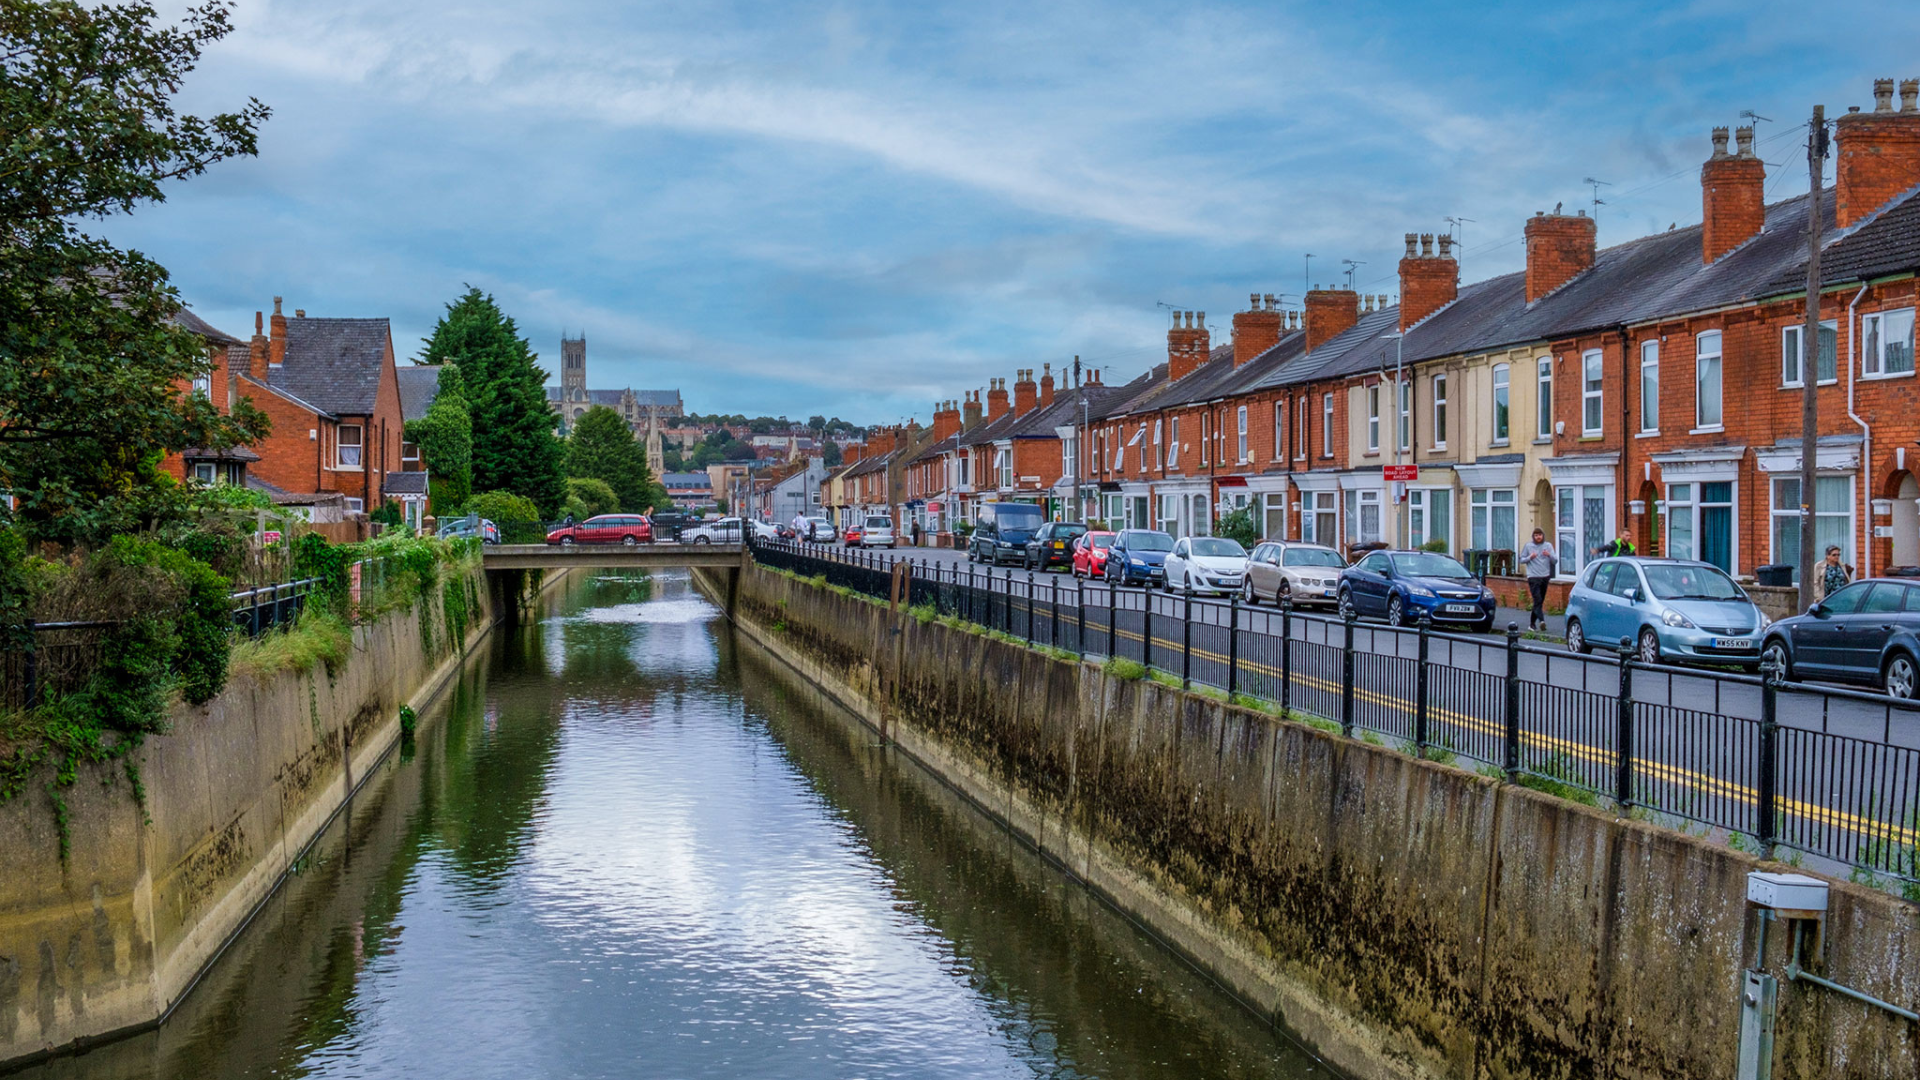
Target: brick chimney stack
x=996 y=399
x=970 y=411
x=1329 y=313
x=1026 y=393
x=1879 y=152
x=1428 y=282
x=277 y=346
x=1732 y=195
x=1046 y=385
x=1559 y=249
x=1256 y=329
x=1187 y=344
x=257 y=351
x=946 y=420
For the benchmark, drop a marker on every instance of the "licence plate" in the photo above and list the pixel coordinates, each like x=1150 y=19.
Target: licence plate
x=1462 y=609
x=1061 y=546
x=1732 y=643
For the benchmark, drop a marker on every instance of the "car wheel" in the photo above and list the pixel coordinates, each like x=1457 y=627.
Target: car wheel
x=1283 y=594
x=1649 y=651
x=1902 y=677
x=631 y=540
x=1577 y=638
x=1347 y=610
x=1247 y=594
x=1396 y=611
x=1775 y=651
x=701 y=540
x=566 y=541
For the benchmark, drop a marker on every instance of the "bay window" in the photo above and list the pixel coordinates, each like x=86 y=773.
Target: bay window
x=1363 y=516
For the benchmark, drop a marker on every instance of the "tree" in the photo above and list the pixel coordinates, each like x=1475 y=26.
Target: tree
x=503 y=506
x=514 y=446
x=588 y=497
x=445 y=438
x=602 y=446
x=831 y=456
x=94 y=369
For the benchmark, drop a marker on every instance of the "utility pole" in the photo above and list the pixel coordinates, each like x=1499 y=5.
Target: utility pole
x=1079 y=445
x=1810 y=358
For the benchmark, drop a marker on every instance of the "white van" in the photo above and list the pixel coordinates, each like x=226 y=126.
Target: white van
x=877 y=531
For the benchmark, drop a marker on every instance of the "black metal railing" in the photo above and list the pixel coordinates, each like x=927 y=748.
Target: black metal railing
x=270 y=607
x=1828 y=772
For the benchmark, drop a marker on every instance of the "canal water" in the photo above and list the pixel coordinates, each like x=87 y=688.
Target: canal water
x=629 y=844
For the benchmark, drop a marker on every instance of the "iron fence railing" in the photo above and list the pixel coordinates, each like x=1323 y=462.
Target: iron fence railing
x=1828 y=772
x=269 y=607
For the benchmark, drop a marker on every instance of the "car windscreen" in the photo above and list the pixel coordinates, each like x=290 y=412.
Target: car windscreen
x=1216 y=547
x=1312 y=557
x=1067 y=531
x=1146 y=540
x=1429 y=564
x=1102 y=540
x=1691 y=583
x=1016 y=516
x=879 y=523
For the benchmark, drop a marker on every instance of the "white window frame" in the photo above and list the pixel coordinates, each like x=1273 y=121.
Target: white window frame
x=1279 y=429
x=1326 y=423
x=206 y=472
x=203 y=385
x=1003 y=466
x=1794 y=353
x=1070 y=456
x=1404 y=390
x=1173 y=443
x=1543 y=397
x=1874 y=329
x=1312 y=505
x=1159 y=451
x=356 y=506
x=1359 y=502
x=1502 y=414
x=1143 y=446
x=1205 y=436
x=341 y=446
x=1422 y=513
x=1439 y=412
x=409 y=451
x=1273 y=503
x=1650 y=379
x=1708 y=354
x=1843 y=516
x=1482 y=502
x=1243 y=436
x=1302 y=430
x=1373 y=418
x=1593 y=382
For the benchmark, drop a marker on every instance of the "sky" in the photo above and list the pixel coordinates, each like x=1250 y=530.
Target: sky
x=859 y=209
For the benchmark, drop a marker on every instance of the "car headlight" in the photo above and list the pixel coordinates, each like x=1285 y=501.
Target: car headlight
x=1486 y=593
x=1420 y=590
x=1765 y=620
x=1138 y=562
x=1674 y=618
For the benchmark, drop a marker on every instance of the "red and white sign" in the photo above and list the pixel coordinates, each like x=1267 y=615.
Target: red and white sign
x=1402 y=473
x=271 y=536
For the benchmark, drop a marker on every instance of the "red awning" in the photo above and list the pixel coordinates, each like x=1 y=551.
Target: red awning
x=1231 y=481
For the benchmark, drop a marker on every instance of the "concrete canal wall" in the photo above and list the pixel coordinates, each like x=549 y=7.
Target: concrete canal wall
x=1403 y=917
x=107 y=942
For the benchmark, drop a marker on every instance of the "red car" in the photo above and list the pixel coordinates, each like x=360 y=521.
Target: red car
x=626 y=529
x=1090 y=554
x=851 y=537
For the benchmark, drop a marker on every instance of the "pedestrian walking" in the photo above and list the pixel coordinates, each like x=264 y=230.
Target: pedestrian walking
x=1833 y=574
x=1540 y=561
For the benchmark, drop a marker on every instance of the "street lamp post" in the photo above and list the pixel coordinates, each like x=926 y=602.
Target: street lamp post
x=1402 y=438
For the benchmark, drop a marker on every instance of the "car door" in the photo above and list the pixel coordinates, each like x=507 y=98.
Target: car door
x=1257 y=570
x=1626 y=603
x=1599 y=619
x=1177 y=563
x=1869 y=629
x=1819 y=641
x=1370 y=585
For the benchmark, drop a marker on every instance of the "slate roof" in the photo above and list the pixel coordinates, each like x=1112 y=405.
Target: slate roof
x=419 y=385
x=187 y=320
x=686 y=480
x=1886 y=243
x=404 y=483
x=334 y=363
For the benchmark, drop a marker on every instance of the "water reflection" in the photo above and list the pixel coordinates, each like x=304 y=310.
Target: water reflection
x=629 y=848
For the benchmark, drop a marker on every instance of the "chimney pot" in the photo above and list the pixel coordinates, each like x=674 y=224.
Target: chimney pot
x=1426 y=245
x=259 y=327
x=1411 y=240
x=276 y=305
x=1719 y=143
x=1446 y=246
x=299 y=313
x=1743 y=141
x=1877 y=155
x=1270 y=304
x=1253 y=301
x=1910 y=95
x=1200 y=320
x=1883 y=95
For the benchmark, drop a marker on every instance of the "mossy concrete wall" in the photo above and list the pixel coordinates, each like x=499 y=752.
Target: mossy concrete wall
x=109 y=940
x=1402 y=917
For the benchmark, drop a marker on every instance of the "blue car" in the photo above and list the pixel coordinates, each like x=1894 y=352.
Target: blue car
x=1138 y=557
x=1400 y=586
x=1670 y=610
x=1867 y=633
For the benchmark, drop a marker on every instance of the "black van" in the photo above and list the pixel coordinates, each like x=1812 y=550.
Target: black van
x=1001 y=532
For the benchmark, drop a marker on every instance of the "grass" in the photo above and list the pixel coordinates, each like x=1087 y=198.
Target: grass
x=1554 y=775
x=1121 y=668
x=319 y=637
x=1171 y=682
x=1372 y=739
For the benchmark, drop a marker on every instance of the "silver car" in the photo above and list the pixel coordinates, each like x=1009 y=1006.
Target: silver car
x=1669 y=610
x=1308 y=573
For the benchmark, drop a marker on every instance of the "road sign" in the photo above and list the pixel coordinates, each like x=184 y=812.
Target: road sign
x=1403 y=473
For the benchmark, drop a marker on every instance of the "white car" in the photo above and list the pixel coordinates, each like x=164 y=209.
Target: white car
x=877 y=531
x=724 y=531
x=1305 y=573
x=765 y=530
x=1206 y=564
x=820 y=531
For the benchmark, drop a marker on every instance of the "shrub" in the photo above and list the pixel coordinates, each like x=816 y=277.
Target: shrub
x=1122 y=668
x=502 y=506
x=1238 y=525
x=589 y=497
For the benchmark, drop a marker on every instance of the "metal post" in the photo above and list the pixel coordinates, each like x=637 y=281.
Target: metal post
x=1146 y=625
x=1080 y=633
x=1346 y=676
x=1286 y=655
x=1764 y=814
x=1186 y=642
x=1623 y=741
x=1113 y=607
x=1233 y=645
x=1511 y=758
x=1053 y=614
x=1029 y=607
x=1420 y=711
x=33 y=668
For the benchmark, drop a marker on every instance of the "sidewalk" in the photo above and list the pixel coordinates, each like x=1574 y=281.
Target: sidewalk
x=1556 y=624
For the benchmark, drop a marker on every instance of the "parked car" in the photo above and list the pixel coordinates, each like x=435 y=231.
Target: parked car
x=1206 y=564
x=670 y=525
x=851 y=537
x=723 y=531
x=1138 y=556
x=1090 y=554
x=1001 y=531
x=877 y=531
x=820 y=531
x=1306 y=573
x=464 y=527
x=1866 y=633
x=1672 y=610
x=626 y=529
x=1399 y=586
x=766 y=530
x=1052 y=545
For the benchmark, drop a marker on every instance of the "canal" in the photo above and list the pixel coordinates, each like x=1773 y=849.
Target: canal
x=629 y=844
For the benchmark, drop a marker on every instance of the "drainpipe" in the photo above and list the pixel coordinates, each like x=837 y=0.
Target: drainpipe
x=1866 y=433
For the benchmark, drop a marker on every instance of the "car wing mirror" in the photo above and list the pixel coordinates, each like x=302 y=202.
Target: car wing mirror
x=1633 y=595
x=1818 y=611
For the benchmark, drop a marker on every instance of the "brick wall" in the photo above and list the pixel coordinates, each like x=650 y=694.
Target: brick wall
x=1559 y=248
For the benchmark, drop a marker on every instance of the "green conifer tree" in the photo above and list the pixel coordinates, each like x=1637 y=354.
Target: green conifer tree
x=514 y=445
x=602 y=447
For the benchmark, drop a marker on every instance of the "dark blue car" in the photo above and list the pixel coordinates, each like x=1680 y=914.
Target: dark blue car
x=1399 y=586
x=1138 y=557
x=1866 y=633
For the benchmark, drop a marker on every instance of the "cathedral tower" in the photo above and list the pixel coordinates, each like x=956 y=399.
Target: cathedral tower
x=573 y=367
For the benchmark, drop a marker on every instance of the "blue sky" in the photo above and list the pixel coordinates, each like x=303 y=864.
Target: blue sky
x=860 y=208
